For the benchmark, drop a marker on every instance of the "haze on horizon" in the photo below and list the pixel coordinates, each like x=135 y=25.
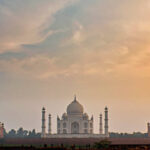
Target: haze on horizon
x=96 y=49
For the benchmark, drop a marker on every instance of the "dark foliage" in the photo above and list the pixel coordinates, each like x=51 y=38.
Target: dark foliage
x=128 y=135
x=21 y=133
x=102 y=144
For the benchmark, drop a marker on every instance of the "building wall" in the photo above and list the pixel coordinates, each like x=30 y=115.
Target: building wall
x=64 y=125
x=76 y=136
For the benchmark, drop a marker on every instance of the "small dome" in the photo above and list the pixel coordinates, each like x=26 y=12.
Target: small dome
x=85 y=115
x=75 y=108
x=64 y=115
x=43 y=109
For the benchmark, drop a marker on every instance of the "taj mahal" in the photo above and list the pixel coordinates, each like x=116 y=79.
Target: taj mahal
x=75 y=123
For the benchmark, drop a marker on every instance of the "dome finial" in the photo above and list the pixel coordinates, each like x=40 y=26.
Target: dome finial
x=75 y=99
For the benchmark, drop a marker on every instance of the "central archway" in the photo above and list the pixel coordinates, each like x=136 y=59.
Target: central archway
x=75 y=128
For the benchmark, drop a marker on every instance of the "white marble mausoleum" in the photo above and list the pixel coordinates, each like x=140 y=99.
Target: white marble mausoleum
x=75 y=123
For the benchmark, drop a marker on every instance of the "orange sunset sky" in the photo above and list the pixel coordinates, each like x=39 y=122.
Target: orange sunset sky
x=96 y=49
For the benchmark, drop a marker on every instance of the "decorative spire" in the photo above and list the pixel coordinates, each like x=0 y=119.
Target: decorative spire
x=106 y=121
x=43 y=122
x=49 y=123
x=100 y=125
x=75 y=99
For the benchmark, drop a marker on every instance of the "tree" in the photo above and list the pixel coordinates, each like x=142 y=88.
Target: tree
x=102 y=144
x=20 y=132
x=128 y=135
x=11 y=133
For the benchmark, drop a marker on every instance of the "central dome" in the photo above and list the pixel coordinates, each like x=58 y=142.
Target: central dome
x=75 y=108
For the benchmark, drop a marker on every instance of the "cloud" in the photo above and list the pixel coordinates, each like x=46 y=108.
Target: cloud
x=26 y=22
x=113 y=42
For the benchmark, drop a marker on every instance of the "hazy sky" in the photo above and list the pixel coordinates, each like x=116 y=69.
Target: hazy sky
x=96 y=49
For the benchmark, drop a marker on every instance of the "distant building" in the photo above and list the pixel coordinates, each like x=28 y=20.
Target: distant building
x=148 y=129
x=1 y=130
x=75 y=123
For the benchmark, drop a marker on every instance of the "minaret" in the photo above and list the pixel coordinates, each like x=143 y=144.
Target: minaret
x=100 y=124
x=106 y=121
x=49 y=124
x=43 y=123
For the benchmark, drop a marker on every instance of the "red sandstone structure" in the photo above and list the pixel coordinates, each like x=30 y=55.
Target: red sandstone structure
x=148 y=129
x=1 y=130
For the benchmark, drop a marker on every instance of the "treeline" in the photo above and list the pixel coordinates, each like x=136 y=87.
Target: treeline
x=128 y=135
x=21 y=133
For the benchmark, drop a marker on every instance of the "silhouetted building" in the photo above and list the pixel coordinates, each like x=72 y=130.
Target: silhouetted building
x=148 y=129
x=1 y=130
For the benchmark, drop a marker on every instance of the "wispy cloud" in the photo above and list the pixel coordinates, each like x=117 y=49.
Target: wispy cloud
x=112 y=41
x=24 y=22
